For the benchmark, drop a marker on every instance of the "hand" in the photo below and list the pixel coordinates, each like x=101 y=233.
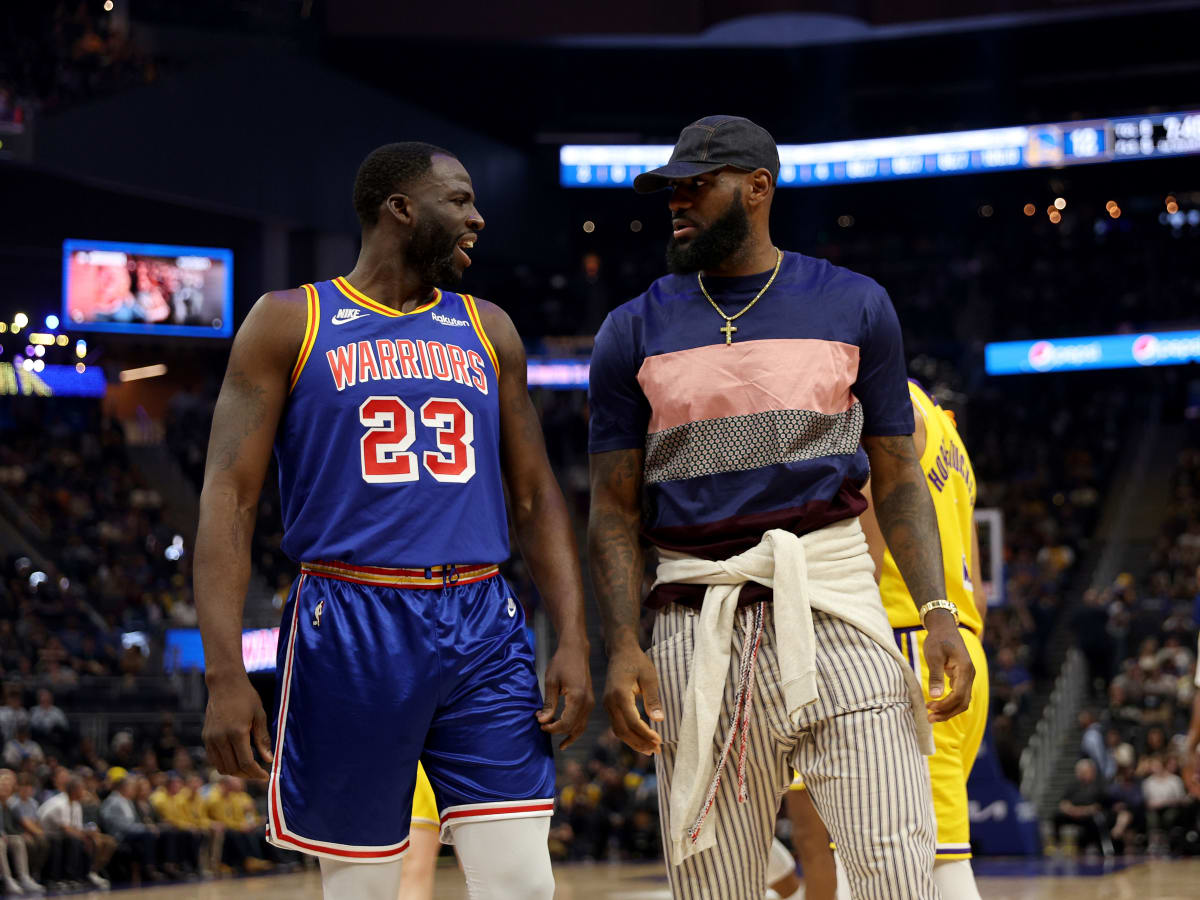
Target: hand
x=630 y=673
x=568 y=676
x=946 y=655
x=234 y=714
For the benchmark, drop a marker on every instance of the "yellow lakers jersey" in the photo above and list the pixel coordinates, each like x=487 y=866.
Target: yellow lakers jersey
x=951 y=483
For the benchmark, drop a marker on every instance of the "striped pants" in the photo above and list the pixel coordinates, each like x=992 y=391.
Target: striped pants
x=856 y=749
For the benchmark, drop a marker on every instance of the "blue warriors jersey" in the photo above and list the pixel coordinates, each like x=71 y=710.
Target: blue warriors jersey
x=389 y=446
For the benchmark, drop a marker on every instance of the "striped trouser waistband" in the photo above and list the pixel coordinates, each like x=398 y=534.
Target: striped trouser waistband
x=428 y=577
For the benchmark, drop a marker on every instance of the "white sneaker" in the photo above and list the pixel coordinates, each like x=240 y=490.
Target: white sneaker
x=99 y=881
x=31 y=886
x=11 y=887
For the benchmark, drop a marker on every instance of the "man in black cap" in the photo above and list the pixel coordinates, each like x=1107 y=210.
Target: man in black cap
x=738 y=407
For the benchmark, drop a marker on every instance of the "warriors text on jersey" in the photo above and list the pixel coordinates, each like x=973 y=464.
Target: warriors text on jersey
x=951 y=483
x=388 y=448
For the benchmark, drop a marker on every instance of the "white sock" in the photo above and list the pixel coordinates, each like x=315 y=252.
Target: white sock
x=779 y=862
x=507 y=859
x=360 y=881
x=954 y=878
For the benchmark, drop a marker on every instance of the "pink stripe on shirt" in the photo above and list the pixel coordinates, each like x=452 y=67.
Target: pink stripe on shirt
x=722 y=380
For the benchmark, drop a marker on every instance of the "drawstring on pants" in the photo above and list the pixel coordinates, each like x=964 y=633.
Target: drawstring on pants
x=739 y=723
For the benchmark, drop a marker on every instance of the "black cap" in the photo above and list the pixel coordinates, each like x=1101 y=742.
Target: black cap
x=712 y=143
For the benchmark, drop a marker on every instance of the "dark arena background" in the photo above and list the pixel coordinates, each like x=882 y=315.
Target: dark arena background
x=1022 y=176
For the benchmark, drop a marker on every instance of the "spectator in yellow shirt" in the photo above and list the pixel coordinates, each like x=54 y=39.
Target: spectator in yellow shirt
x=196 y=804
x=232 y=807
x=170 y=804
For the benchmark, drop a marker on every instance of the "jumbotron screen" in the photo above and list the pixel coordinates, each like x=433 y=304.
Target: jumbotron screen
x=159 y=289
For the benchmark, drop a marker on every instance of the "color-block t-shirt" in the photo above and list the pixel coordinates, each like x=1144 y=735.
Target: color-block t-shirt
x=762 y=433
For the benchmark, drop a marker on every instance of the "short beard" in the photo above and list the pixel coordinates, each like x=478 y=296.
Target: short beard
x=714 y=245
x=431 y=254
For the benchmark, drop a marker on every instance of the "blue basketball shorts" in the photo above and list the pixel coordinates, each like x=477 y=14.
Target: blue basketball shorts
x=381 y=668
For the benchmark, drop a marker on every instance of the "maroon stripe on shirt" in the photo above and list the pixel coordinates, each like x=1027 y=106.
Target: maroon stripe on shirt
x=737 y=534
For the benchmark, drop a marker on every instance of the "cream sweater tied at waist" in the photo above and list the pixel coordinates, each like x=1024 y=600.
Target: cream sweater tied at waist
x=830 y=570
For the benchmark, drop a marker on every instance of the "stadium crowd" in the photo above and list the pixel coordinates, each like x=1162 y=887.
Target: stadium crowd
x=1133 y=789
x=58 y=54
x=607 y=806
x=113 y=565
x=146 y=810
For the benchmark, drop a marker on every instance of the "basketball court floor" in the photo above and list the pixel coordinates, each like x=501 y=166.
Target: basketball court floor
x=1152 y=880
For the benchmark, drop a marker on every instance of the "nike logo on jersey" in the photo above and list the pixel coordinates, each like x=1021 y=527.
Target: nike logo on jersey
x=450 y=320
x=342 y=316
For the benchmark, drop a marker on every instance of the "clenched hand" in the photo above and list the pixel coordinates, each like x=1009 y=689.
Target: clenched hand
x=946 y=656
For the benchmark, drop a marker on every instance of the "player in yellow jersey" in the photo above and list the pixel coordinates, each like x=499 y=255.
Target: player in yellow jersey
x=951 y=483
x=420 y=861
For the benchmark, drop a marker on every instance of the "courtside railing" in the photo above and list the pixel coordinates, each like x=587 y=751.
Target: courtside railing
x=1040 y=757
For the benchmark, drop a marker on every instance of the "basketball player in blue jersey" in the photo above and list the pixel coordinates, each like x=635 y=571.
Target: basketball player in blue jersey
x=398 y=413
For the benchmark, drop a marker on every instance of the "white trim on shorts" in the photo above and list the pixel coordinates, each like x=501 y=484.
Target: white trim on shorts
x=491 y=812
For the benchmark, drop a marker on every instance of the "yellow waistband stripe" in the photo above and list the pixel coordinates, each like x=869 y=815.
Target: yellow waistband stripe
x=430 y=577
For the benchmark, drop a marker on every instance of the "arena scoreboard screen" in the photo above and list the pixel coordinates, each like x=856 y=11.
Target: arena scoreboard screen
x=184 y=650
x=920 y=155
x=149 y=289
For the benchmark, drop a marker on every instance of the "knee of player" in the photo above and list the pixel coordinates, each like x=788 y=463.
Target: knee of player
x=522 y=881
x=539 y=885
x=507 y=871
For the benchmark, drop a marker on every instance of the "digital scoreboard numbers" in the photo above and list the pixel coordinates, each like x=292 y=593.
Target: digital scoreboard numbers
x=920 y=155
x=1174 y=134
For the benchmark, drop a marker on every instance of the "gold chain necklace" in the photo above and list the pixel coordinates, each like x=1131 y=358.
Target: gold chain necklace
x=729 y=327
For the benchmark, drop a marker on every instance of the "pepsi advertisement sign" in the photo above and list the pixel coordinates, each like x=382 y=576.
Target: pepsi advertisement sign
x=1112 y=351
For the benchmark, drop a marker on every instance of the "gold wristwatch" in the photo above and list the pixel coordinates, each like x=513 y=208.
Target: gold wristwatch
x=937 y=604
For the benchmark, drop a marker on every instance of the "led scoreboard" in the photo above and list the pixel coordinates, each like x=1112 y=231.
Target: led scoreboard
x=920 y=155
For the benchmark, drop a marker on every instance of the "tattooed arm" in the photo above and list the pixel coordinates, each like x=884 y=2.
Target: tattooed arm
x=617 y=565
x=908 y=523
x=544 y=534
x=243 y=429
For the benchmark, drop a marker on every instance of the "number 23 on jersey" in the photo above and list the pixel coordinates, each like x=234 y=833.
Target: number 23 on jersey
x=391 y=431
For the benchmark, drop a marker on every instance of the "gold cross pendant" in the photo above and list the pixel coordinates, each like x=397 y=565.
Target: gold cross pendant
x=728 y=330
